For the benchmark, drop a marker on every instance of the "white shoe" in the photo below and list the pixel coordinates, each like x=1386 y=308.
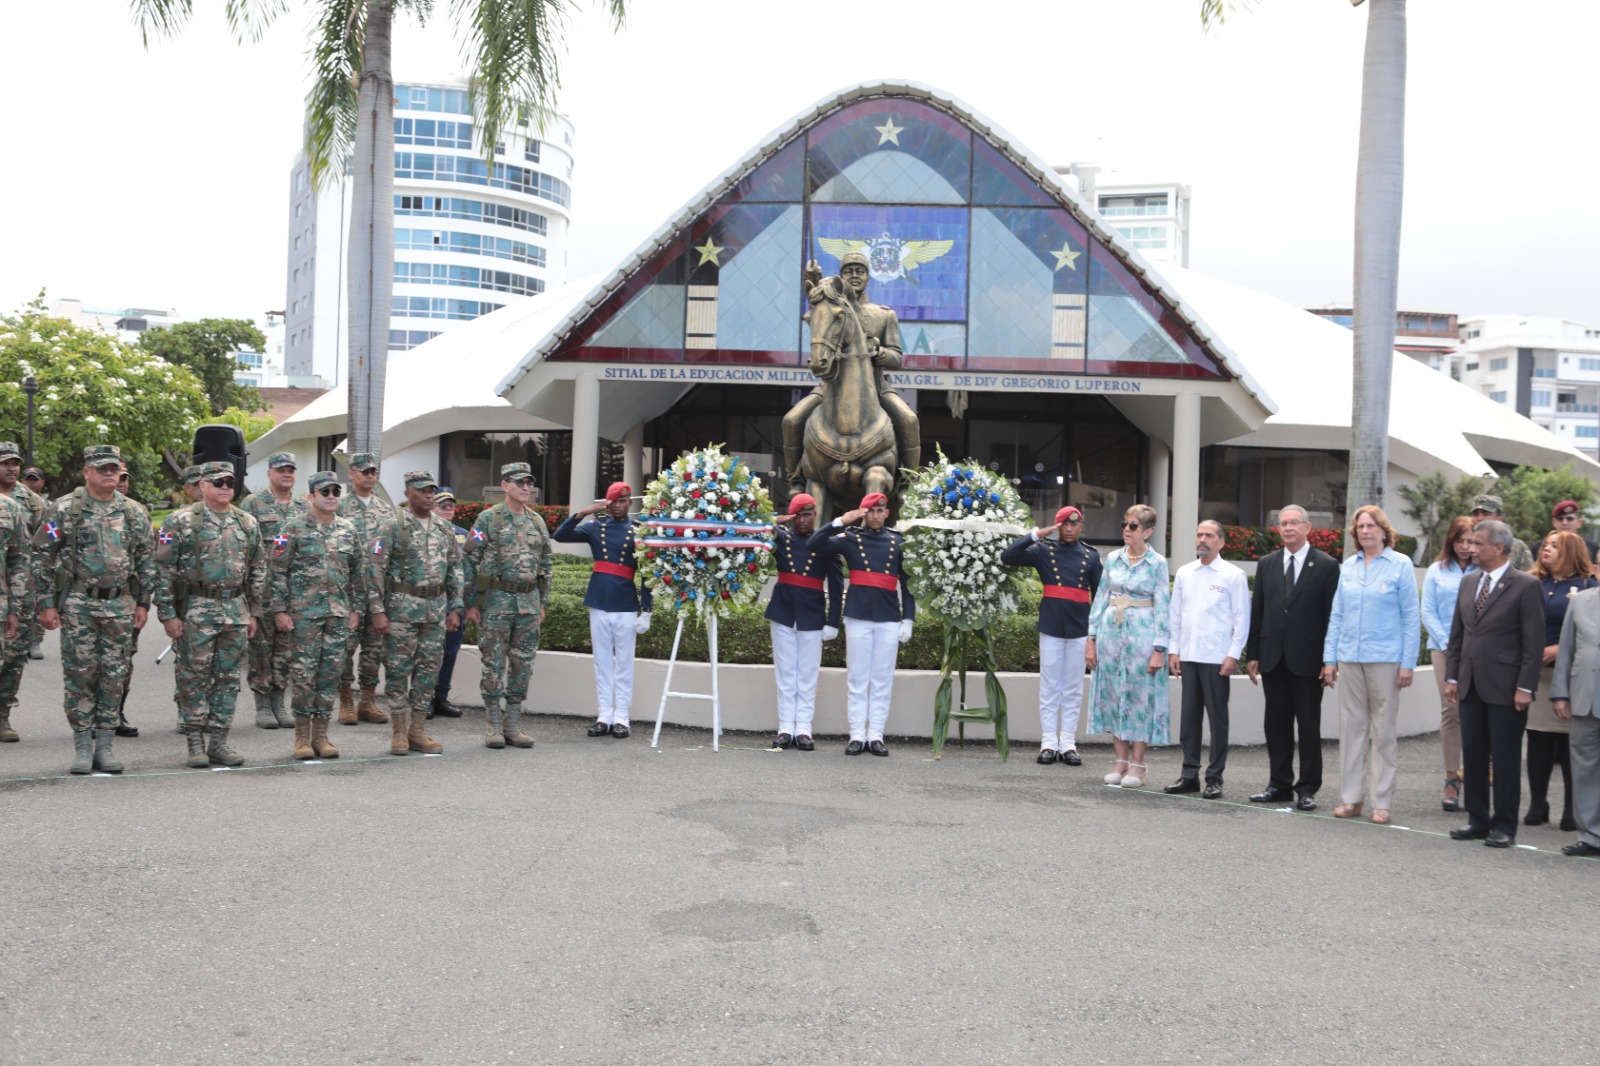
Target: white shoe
x=1133 y=779
x=1115 y=778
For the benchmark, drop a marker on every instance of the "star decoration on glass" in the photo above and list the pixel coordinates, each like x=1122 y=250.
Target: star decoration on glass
x=1066 y=257
x=709 y=252
x=889 y=133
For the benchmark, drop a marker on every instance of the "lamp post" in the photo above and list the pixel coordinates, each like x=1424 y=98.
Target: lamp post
x=30 y=387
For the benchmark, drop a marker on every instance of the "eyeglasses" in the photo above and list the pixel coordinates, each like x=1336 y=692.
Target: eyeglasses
x=329 y=490
x=1479 y=510
x=223 y=482
x=1133 y=525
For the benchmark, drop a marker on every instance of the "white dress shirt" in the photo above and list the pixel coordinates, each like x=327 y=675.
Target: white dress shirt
x=1210 y=615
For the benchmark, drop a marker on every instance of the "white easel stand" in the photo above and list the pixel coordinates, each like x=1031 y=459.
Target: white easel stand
x=666 y=689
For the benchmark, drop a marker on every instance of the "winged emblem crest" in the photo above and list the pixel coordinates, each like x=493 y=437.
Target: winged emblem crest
x=888 y=258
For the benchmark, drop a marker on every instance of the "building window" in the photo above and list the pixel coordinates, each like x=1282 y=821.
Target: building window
x=1499 y=363
x=1589 y=432
x=469 y=244
x=1145 y=237
x=403 y=340
x=471 y=211
x=1498 y=397
x=1589 y=364
x=1112 y=206
x=1544 y=371
x=440 y=307
x=1540 y=398
x=1472 y=366
x=421 y=98
x=431 y=133
x=427 y=166
x=467 y=277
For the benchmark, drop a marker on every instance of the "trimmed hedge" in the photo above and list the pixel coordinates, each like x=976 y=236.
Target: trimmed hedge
x=1250 y=543
x=467 y=512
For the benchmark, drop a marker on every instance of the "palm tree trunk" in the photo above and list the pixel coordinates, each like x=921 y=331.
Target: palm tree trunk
x=1380 y=181
x=372 y=233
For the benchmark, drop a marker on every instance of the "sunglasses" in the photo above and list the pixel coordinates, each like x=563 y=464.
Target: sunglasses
x=1133 y=525
x=329 y=490
x=522 y=482
x=223 y=482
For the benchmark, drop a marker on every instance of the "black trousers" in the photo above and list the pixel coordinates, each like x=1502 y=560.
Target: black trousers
x=1205 y=697
x=1293 y=702
x=1492 y=730
x=1546 y=751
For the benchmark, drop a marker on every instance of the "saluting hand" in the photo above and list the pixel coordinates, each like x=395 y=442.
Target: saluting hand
x=850 y=517
x=1043 y=532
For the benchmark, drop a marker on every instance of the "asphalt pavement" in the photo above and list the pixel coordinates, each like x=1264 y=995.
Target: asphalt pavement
x=600 y=902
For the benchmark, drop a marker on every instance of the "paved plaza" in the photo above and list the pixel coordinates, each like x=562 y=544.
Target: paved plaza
x=597 y=902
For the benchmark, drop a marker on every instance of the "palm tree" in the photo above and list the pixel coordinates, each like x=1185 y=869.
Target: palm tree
x=1380 y=182
x=350 y=116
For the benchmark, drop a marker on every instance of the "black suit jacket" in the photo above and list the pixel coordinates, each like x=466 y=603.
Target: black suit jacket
x=1291 y=626
x=1501 y=649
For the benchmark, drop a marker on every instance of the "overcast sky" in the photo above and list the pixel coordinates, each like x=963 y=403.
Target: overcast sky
x=159 y=178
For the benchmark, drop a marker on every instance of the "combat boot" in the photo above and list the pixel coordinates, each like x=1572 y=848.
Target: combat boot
x=368 y=710
x=347 y=707
x=513 y=727
x=7 y=734
x=319 y=740
x=221 y=754
x=397 y=734
x=302 y=739
x=82 y=752
x=493 y=735
x=197 y=750
x=265 y=719
x=281 y=709
x=417 y=739
x=105 y=760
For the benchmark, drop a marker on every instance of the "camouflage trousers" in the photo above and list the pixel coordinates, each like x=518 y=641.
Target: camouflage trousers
x=207 y=671
x=96 y=655
x=412 y=655
x=371 y=645
x=508 y=642
x=320 y=645
x=269 y=657
x=13 y=659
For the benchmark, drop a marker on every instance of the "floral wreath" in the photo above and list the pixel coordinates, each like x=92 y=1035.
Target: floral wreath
x=707 y=537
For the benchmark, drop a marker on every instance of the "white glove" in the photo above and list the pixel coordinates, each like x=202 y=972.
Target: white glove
x=905 y=630
x=641 y=625
x=829 y=632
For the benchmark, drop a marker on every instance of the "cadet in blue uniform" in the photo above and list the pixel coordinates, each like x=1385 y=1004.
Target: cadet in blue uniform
x=1070 y=571
x=614 y=601
x=803 y=613
x=878 y=610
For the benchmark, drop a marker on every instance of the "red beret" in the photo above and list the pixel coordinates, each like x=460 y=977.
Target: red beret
x=1564 y=507
x=872 y=499
x=1067 y=512
x=800 y=502
x=619 y=490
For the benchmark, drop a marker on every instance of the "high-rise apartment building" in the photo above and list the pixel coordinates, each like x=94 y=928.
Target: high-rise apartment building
x=1152 y=215
x=1545 y=368
x=469 y=237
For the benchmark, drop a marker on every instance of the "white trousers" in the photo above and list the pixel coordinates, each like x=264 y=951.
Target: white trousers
x=611 y=633
x=1060 y=691
x=869 y=652
x=796 y=661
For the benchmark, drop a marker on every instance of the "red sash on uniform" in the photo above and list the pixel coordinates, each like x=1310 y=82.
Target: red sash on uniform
x=800 y=580
x=614 y=570
x=1063 y=592
x=871 y=580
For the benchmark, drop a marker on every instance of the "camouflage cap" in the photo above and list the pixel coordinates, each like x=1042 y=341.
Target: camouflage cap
x=191 y=474
x=323 y=477
x=9 y=450
x=445 y=495
x=420 y=479
x=31 y=473
x=212 y=471
x=512 y=471
x=1487 y=503
x=102 y=455
x=364 y=461
x=277 y=459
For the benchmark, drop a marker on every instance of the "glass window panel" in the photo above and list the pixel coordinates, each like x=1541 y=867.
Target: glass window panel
x=780 y=179
x=876 y=152
x=996 y=180
x=756 y=280
x=890 y=178
x=1029 y=278
x=918 y=255
x=1128 y=324
x=652 y=319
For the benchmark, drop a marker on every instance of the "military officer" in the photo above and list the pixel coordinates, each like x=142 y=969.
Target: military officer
x=210 y=584
x=619 y=610
x=16 y=653
x=803 y=613
x=367 y=512
x=444 y=505
x=93 y=576
x=16 y=588
x=416 y=555
x=508 y=564
x=191 y=482
x=318 y=592
x=273 y=507
x=878 y=612
x=1070 y=571
x=126 y=728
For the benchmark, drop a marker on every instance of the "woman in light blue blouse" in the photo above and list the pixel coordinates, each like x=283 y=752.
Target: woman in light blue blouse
x=1439 y=588
x=1372 y=642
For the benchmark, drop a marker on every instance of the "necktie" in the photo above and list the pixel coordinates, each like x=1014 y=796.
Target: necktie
x=1289 y=577
x=1483 y=592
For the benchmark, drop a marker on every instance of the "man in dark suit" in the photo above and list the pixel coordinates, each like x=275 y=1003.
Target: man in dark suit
x=1496 y=650
x=1288 y=622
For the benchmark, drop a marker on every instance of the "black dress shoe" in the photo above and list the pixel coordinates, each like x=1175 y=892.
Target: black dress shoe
x=1308 y=802
x=620 y=731
x=1498 y=839
x=1182 y=784
x=1581 y=850
x=1539 y=815
x=600 y=729
x=804 y=742
x=1213 y=790
x=877 y=748
x=1046 y=757
x=1568 y=824
x=783 y=741
x=1071 y=757
x=1271 y=795
x=855 y=747
x=443 y=708
x=126 y=728
x=1468 y=832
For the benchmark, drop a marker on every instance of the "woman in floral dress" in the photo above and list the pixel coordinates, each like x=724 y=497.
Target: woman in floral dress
x=1127 y=649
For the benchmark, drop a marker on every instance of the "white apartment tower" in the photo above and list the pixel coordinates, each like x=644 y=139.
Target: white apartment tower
x=468 y=237
x=1152 y=215
x=1547 y=369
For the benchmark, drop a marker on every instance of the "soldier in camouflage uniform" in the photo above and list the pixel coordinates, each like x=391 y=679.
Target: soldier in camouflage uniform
x=210 y=582
x=507 y=565
x=444 y=504
x=94 y=569
x=319 y=594
x=363 y=508
x=17 y=652
x=126 y=728
x=273 y=507
x=416 y=557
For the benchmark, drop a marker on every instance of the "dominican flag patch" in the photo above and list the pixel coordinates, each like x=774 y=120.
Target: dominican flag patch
x=281 y=539
x=377 y=546
x=164 y=537
x=52 y=531
x=477 y=534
